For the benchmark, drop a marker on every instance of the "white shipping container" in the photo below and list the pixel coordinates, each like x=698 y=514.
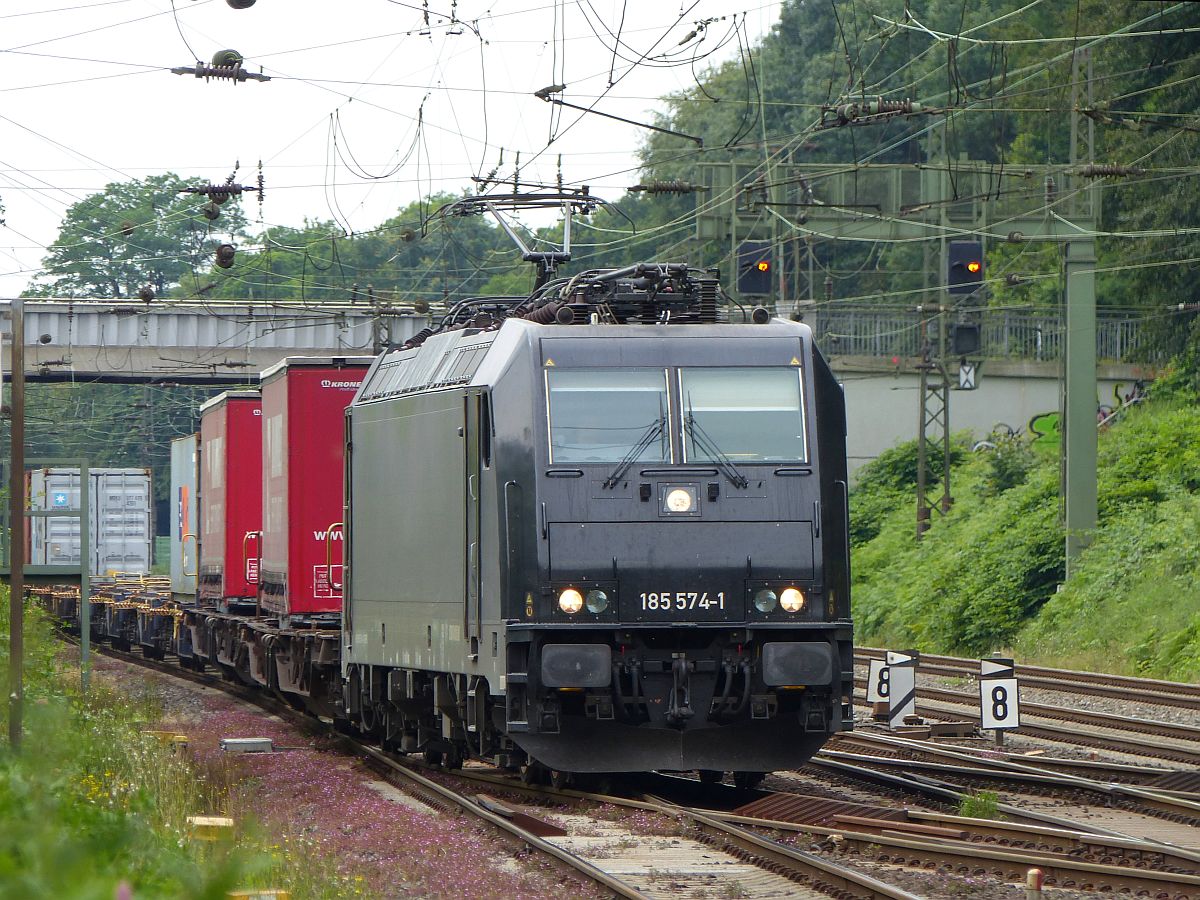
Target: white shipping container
x=119 y=519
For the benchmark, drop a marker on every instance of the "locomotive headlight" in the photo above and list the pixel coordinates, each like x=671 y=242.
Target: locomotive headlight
x=597 y=601
x=679 y=500
x=765 y=600
x=570 y=601
x=792 y=599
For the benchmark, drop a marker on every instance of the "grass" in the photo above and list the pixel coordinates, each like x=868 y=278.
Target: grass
x=990 y=575
x=980 y=805
x=90 y=807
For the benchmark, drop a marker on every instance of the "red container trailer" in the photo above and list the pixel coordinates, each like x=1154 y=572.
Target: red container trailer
x=231 y=497
x=304 y=401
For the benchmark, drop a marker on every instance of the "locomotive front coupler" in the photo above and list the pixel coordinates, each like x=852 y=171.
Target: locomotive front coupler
x=680 y=708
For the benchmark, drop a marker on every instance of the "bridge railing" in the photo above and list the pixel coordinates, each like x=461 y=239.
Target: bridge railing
x=1038 y=337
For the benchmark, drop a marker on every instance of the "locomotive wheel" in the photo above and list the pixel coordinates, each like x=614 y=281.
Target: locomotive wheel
x=747 y=780
x=453 y=759
x=369 y=717
x=433 y=757
x=560 y=780
x=711 y=776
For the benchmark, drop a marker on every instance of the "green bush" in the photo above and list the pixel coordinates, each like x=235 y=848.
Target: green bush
x=989 y=574
x=888 y=484
x=980 y=805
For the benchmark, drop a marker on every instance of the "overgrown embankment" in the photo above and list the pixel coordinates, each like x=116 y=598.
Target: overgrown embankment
x=990 y=574
x=90 y=807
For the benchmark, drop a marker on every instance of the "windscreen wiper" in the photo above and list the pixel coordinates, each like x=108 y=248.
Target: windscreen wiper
x=704 y=441
x=653 y=430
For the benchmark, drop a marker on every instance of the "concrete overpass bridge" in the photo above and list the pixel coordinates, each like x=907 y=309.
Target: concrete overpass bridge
x=874 y=354
x=208 y=343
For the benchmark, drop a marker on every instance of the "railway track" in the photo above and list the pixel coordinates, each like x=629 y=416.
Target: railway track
x=425 y=789
x=1151 y=776
x=1121 y=687
x=1004 y=850
x=783 y=863
x=925 y=841
x=953 y=763
x=1084 y=737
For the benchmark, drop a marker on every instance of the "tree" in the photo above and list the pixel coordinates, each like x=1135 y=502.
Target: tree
x=134 y=235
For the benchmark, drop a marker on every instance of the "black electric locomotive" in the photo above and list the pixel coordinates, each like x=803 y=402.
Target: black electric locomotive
x=600 y=529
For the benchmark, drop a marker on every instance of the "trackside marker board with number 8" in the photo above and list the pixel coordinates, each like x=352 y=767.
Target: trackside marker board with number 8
x=999 y=695
x=878 y=682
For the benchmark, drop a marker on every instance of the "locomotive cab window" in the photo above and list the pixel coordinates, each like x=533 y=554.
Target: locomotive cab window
x=742 y=414
x=604 y=415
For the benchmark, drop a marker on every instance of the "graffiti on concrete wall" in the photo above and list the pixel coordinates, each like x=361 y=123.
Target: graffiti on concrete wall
x=1045 y=429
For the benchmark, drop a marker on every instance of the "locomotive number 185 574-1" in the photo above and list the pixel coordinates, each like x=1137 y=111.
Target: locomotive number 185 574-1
x=682 y=600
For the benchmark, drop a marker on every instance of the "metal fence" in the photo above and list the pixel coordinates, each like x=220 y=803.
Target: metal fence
x=1005 y=334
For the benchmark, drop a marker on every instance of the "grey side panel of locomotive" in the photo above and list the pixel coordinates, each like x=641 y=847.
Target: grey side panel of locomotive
x=424 y=580
x=407 y=558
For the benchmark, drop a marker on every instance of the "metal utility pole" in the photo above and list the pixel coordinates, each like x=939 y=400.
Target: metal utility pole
x=933 y=423
x=16 y=542
x=1079 y=386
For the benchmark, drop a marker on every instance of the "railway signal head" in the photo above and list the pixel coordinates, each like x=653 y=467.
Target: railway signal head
x=755 y=269
x=965 y=271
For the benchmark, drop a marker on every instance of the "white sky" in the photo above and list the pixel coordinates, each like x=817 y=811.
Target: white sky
x=86 y=99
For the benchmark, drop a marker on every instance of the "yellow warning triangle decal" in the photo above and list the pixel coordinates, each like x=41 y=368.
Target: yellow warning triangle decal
x=549 y=362
x=795 y=362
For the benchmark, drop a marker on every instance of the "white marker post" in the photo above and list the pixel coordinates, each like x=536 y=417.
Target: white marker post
x=902 y=685
x=999 y=697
